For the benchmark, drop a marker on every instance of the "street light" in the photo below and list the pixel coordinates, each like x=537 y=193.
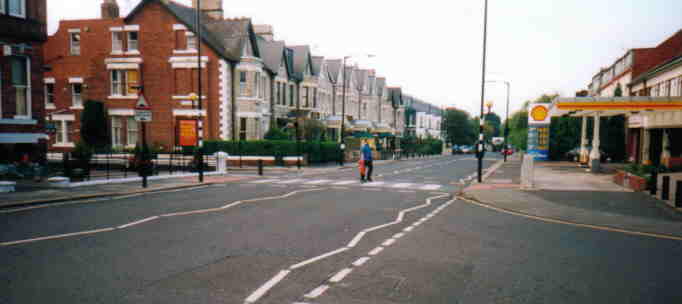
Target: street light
x=506 y=119
x=480 y=128
x=200 y=128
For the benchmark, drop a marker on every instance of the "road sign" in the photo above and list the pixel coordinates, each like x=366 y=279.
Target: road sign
x=142 y=103
x=143 y=115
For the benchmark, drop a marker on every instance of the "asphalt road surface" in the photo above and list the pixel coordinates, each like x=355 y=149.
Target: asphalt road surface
x=324 y=239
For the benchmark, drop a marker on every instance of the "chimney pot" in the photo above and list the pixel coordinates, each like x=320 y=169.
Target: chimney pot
x=110 y=9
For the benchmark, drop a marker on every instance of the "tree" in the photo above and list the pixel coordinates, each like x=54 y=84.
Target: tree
x=493 y=121
x=276 y=134
x=457 y=127
x=94 y=130
x=313 y=129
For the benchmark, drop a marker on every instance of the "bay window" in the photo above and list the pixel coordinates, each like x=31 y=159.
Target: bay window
x=124 y=82
x=17 y=8
x=133 y=41
x=21 y=83
x=132 y=128
x=117 y=42
x=242 y=83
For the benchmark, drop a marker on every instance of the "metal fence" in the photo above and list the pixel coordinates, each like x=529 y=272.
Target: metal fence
x=116 y=165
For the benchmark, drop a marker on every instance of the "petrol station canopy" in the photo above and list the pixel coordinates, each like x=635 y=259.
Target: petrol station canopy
x=612 y=106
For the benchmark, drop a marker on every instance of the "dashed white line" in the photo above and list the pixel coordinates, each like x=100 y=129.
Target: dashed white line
x=374 y=184
x=376 y=251
x=317 y=182
x=341 y=183
x=264 y=181
x=319 y=257
x=340 y=275
x=402 y=185
x=317 y=292
x=359 y=262
x=408 y=229
x=398 y=235
x=388 y=242
x=430 y=187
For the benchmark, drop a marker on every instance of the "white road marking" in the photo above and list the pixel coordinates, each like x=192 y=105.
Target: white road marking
x=402 y=185
x=356 y=239
x=138 y=222
x=388 y=242
x=408 y=229
x=317 y=182
x=59 y=236
x=291 y=181
x=376 y=251
x=359 y=262
x=344 y=183
x=317 y=258
x=407 y=191
x=317 y=292
x=398 y=235
x=265 y=287
x=264 y=181
x=340 y=275
x=430 y=187
x=374 y=184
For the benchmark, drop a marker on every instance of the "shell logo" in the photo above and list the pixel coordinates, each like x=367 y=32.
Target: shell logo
x=539 y=113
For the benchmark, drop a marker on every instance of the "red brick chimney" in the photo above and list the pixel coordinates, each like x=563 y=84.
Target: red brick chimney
x=110 y=9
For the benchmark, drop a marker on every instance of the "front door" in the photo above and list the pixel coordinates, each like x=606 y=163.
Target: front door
x=656 y=146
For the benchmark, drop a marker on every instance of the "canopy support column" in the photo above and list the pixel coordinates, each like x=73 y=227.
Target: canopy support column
x=595 y=155
x=584 y=153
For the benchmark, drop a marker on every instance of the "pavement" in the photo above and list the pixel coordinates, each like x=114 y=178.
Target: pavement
x=564 y=192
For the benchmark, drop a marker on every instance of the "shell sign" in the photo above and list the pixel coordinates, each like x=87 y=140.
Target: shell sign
x=539 y=114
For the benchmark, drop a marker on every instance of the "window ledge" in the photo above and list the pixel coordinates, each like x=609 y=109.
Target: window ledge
x=50 y=106
x=130 y=146
x=132 y=52
x=123 y=97
x=116 y=52
x=18 y=121
x=76 y=108
x=64 y=145
x=191 y=51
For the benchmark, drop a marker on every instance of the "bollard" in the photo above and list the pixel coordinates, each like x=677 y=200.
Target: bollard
x=665 y=190
x=678 y=195
x=653 y=187
x=260 y=167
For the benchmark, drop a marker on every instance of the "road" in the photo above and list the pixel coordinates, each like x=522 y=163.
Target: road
x=323 y=239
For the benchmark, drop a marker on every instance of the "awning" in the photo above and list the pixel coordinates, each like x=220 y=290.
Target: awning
x=361 y=134
x=612 y=106
x=22 y=138
x=333 y=122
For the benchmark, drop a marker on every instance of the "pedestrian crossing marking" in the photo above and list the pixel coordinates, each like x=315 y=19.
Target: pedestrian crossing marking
x=344 y=183
x=264 y=181
x=320 y=182
x=291 y=181
x=317 y=182
x=402 y=185
x=430 y=187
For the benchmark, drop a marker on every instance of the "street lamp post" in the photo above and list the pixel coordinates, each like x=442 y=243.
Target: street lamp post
x=200 y=128
x=506 y=120
x=480 y=128
x=343 y=102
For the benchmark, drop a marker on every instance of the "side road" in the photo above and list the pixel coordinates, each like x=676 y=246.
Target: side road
x=31 y=193
x=565 y=194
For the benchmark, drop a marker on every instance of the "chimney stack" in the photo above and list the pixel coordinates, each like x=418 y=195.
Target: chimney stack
x=110 y=9
x=212 y=8
x=265 y=31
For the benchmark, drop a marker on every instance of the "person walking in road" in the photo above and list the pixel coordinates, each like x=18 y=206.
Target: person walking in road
x=366 y=154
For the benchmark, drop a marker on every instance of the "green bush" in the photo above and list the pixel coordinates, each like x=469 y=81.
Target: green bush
x=317 y=151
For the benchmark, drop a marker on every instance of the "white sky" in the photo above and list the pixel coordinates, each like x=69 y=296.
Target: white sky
x=433 y=48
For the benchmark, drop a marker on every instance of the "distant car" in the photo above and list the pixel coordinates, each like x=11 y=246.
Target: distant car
x=456 y=149
x=508 y=151
x=467 y=149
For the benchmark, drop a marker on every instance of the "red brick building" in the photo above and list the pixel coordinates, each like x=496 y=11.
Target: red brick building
x=155 y=48
x=23 y=30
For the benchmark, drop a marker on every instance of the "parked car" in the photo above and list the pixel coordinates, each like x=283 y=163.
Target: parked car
x=456 y=149
x=467 y=149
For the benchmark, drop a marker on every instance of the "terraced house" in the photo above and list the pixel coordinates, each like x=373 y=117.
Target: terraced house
x=250 y=81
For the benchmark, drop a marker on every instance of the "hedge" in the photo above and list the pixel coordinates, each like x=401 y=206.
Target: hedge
x=316 y=151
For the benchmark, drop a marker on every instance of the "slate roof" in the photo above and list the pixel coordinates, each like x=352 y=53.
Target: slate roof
x=225 y=37
x=333 y=69
x=317 y=64
x=381 y=83
x=301 y=59
x=272 y=53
